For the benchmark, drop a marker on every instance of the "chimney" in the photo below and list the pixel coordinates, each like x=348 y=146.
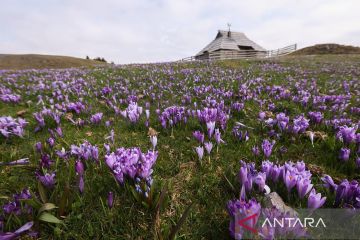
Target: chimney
x=229 y=33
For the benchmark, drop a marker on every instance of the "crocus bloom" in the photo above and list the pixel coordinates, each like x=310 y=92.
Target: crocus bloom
x=347 y=134
x=260 y=181
x=300 y=124
x=96 y=118
x=344 y=154
x=303 y=187
x=282 y=121
x=200 y=152
x=17 y=233
x=110 y=199
x=79 y=167
x=267 y=147
x=38 y=147
x=329 y=182
x=208 y=147
x=300 y=165
x=51 y=141
x=23 y=161
x=153 y=140
x=314 y=200
x=255 y=150
x=290 y=180
x=217 y=135
x=210 y=127
x=240 y=209
x=315 y=117
x=45 y=161
x=48 y=180
x=199 y=136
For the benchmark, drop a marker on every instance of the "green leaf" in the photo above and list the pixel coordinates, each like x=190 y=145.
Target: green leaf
x=64 y=200
x=42 y=192
x=135 y=194
x=32 y=202
x=160 y=201
x=47 y=207
x=47 y=217
x=177 y=227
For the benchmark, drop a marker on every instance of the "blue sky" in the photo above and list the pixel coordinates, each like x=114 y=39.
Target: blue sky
x=159 y=30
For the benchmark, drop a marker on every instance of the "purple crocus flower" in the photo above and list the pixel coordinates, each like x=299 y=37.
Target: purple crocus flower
x=210 y=127
x=347 y=134
x=23 y=161
x=255 y=150
x=303 y=187
x=45 y=161
x=79 y=167
x=290 y=180
x=59 y=131
x=96 y=118
x=282 y=121
x=267 y=147
x=17 y=233
x=199 y=136
x=48 y=179
x=110 y=199
x=259 y=180
x=316 y=117
x=38 y=147
x=344 y=154
x=300 y=165
x=275 y=173
x=329 y=182
x=240 y=209
x=217 y=135
x=314 y=200
x=208 y=147
x=153 y=140
x=200 y=152
x=300 y=124
x=131 y=163
x=51 y=142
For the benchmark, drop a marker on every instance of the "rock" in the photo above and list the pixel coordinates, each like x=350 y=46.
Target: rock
x=274 y=200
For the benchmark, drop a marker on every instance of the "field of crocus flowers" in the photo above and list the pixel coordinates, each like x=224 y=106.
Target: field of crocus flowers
x=175 y=150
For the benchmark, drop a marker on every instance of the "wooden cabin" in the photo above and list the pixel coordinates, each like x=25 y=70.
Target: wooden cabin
x=228 y=45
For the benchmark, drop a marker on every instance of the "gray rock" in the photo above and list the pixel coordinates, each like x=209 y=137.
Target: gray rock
x=274 y=200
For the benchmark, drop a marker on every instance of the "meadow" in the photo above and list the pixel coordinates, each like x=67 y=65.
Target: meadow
x=175 y=150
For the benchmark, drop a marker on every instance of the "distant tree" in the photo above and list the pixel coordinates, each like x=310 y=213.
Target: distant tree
x=87 y=57
x=100 y=59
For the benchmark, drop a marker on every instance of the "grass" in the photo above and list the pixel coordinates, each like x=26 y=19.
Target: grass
x=206 y=185
x=36 y=61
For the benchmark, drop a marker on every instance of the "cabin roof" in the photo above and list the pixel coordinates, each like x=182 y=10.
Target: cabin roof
x=232 y=42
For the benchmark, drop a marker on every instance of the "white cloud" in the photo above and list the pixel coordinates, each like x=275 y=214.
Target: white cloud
x=160 y=30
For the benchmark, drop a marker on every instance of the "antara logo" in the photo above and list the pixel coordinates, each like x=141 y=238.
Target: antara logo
x=293 y=222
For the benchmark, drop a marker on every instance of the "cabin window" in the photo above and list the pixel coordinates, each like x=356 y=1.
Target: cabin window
x=245 y=47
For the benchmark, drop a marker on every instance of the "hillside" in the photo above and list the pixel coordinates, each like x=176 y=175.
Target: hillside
x=29 y=61
x=123 y=152
x=328 y=49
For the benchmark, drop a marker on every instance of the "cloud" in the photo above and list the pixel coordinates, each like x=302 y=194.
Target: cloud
x=163 y=30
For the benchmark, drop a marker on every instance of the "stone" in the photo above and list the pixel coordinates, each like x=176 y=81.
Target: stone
x=274 y=200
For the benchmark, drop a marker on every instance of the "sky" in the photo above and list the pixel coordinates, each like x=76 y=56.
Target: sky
x=143 y=31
